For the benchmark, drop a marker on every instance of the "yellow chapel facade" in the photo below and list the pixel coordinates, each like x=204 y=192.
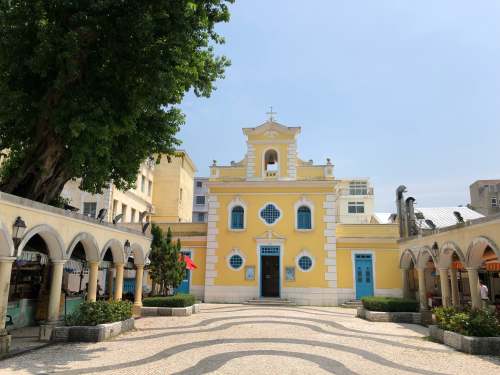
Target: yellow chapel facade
x=279 y=226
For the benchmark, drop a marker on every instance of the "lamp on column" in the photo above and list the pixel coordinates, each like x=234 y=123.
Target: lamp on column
x=127 y=248
x=18 y=230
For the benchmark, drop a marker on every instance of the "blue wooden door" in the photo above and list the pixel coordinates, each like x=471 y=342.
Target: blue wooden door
x=364 y=275
x=184 y=287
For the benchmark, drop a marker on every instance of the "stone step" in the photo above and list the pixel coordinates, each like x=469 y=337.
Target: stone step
x=352 y=304
x=270 y=302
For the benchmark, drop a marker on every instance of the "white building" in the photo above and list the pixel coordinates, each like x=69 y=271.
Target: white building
x=200 y=200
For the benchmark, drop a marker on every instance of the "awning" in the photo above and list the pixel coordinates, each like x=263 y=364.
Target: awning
x=492 y=266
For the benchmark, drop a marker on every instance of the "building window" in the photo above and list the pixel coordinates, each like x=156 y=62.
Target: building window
x=143 y=183
x=304 y=218
x=89 y=209
x=356 y=207
x=236 y=261
x=124 y=212
x=237 y=217
x=358 y=188
x=132 y=215
x=201 y=217
x=494 y=202
x=305 y=263
x=199 y=184
x=150 y=187
x=270 y=214
x=200 y=199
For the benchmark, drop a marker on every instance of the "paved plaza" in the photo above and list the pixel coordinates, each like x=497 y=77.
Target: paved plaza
x=243 y=339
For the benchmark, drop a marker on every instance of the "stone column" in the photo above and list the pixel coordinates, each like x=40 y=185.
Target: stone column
x=5 y=272
x=139 y=271
x=55 y=290
x=454 y=287
x=445 y=287
x=422 y=291
x=93 y=272
x=474 y=287
x=406 y=284
x=109 y=283
x=119 y=281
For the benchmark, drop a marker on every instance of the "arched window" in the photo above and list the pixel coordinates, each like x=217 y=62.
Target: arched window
x=271 y=161
x=304 y=218
x=237 y=217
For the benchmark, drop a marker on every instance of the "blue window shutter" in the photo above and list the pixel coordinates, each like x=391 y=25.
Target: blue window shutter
x=237 y=217
x=304 y=218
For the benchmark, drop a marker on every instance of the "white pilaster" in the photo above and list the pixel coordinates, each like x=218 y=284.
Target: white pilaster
x=211 y=255
x=330 y=219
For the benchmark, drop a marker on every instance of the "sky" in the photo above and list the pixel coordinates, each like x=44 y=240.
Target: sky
x=402 y=92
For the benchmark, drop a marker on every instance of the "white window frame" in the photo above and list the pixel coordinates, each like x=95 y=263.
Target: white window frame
x=356 y=204
x=298 y=204
x=494 y=202
x=83 y=209
x=204 y=200
x=236 y=202
x=264 y=221
x=358 y=187
x=305 y=253
x=236 y=252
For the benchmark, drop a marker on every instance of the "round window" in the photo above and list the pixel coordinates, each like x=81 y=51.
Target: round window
x=270 y=214
x=305 y=263
x=236 y=261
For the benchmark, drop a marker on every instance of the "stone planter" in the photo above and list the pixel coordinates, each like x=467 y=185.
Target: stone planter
x=170 y=311
x=96 y=333
x=395 y=317
x=466 y=344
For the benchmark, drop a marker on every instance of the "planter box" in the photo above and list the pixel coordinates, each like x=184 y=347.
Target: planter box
x=170 y=311
x=466 y=344
x=395 y=317
x=96 y=333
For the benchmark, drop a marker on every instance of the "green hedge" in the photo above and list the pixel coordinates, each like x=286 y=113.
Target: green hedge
x=390 y=304
x=100 y=312
x=479 y=323
x=179 y=300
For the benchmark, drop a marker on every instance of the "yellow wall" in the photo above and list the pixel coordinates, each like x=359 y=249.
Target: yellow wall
x=296 y=241
x=170 y=178
x=381 y=239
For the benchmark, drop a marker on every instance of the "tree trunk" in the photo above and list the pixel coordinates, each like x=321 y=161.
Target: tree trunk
x=42 y=174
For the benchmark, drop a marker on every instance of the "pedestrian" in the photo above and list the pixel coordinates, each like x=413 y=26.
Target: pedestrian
x=483 y=291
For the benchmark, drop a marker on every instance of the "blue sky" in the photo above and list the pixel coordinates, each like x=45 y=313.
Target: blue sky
x=401 y=92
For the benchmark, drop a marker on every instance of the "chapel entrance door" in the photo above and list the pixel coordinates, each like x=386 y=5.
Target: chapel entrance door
x=270 y=276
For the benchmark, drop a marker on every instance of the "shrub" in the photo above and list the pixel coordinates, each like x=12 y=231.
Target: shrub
x=179 y=300
x=390 y=304
x=480 y=322
x=100 y=312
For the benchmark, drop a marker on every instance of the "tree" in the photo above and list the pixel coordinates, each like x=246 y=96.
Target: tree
x=167 y=266
x=88 y=88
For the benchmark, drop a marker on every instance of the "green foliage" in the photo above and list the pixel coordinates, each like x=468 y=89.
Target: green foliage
x=88 y=89
x=179 y=300
x=100 y=312
x=167 y=267
x=477 y=322
x=390 y=304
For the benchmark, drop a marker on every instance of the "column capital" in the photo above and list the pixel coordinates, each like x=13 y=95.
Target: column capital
x=472 y=268
x=139 y=266
x=58 y=261
x=7 y=259
x=92 y=262
x=119 y=265
x=444 y=269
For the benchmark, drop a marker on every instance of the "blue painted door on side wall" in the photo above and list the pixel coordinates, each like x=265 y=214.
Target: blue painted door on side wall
x=184 y=287
x=364 y=275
